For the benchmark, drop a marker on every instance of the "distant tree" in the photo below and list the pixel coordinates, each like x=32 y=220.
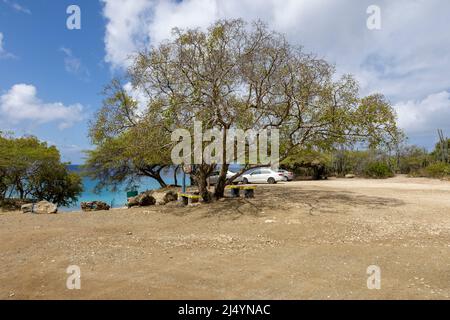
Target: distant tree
x=312 y=160
x=30 y=169
x=441 y=150
x=412 y=159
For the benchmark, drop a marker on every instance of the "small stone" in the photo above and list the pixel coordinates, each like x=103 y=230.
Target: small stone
x=94 y=206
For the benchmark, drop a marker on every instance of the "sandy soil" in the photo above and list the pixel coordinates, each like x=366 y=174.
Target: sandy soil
x=298 y=240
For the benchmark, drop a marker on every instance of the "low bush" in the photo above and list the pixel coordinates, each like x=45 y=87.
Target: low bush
x=438 y=170
x=379 y=170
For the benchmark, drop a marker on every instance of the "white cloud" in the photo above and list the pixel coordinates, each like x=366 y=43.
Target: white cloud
x=410 y=48
x=124 y=35
x=3 y=53
x=407 y=59
x=137 y=95
x=74 y=65
x=1 y=44
x=17 y=7
x=425 y=116
x=21 y=104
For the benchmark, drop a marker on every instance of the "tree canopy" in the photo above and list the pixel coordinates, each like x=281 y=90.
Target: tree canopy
x=30 y=169
x=240 y=76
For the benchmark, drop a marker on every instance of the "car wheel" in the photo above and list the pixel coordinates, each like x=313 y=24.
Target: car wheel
x=271 y=180
x=245 y=181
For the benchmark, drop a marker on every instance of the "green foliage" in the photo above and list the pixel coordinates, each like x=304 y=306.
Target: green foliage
x=412 y=159
x=129 y=144
x=438 y=170
x=378 y=170
x=441 y=151
x=53 y=182
x=350 y=161
x=29 y=169
x=308 y=163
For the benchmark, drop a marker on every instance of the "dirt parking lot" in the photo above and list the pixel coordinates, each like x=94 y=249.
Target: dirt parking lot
x=298 y=240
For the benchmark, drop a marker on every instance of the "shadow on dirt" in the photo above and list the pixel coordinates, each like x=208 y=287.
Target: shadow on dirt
x=308 y=201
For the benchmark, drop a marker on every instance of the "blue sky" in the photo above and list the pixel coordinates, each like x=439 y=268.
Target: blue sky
x=51 y=78
x=40 y=44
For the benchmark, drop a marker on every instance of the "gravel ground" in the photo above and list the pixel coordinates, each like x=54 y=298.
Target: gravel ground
x=297 y=240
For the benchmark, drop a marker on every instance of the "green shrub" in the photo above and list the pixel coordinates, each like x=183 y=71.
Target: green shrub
x=438 y=170
x=379 y=170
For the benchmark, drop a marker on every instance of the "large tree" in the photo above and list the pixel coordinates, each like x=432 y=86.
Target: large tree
x=239 y=76
x=235 y=76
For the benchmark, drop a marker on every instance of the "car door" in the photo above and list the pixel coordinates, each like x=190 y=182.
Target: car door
x=214 y=177
x=265 y=175
x=254 y=176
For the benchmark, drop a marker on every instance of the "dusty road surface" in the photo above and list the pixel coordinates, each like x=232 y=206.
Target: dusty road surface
x=299 y=240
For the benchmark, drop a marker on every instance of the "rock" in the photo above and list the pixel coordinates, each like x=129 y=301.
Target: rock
x=170 y=196
x=45 y=207
x=350 y=176
x=164 y=197
x=144 y=199
x=42 y=207
x=152 y=197
x=133 y=202
x=159 y=197
x=94 y=206
x=27 y=208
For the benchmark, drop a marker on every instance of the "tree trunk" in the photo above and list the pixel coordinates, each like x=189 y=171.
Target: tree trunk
x=157 y=177
x=175 y=178
x=219 y=190
x=153 y=173
x=202 y=184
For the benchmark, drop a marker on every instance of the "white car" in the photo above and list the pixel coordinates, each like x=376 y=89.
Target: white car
x=215 y=176
x=289 y=175
x=264 y=175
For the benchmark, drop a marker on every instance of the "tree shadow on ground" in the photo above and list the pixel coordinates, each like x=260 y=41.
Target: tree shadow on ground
x=300 y=200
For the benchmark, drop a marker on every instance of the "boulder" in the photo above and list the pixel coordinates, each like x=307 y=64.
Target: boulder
x=350 y=176
x=163 y=197
x=144 y=199
x=170 y=196
x=94 y=206
x=42 y=207
x=27 y=208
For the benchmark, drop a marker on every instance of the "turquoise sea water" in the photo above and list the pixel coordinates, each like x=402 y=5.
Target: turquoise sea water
x=117 y=198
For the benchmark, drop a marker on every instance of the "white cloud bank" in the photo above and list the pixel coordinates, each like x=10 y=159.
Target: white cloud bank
x=21 y=104
x=408 y=59
x=421 y=116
